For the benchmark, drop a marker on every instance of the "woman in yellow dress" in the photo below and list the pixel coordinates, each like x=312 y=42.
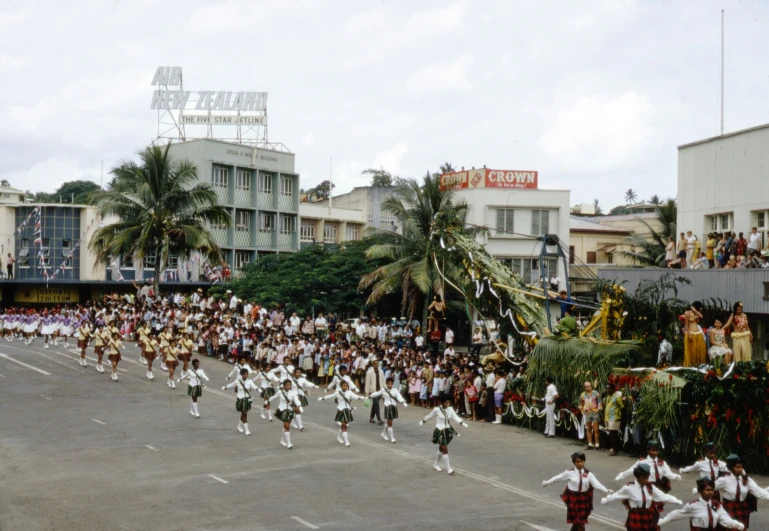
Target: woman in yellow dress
x=695 y=350
x=742 y=337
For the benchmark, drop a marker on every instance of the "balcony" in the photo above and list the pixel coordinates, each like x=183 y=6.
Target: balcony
x=242 y=236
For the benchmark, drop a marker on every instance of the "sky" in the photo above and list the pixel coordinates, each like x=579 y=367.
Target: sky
x=594 y=95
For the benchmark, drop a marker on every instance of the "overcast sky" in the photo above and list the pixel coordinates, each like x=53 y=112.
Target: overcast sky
x=594 y=95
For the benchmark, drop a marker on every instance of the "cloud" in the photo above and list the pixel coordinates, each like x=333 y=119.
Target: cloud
x=597 y=135
x=442 y=76
x=308 y=140
x=391 y=158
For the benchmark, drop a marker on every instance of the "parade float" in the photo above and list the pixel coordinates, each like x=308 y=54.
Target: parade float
x=682 y=407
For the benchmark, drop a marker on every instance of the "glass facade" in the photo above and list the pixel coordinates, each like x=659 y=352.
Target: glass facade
x=46 y=250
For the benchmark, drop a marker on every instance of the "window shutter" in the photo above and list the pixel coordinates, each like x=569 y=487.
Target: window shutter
x=545 y=221
x=535 y=223
x=509 y=227
x=500 y=220
x=526 y=270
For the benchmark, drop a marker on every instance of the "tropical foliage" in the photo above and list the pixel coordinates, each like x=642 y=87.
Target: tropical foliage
x=631 y=196
x=161 y=210
x=650 y=247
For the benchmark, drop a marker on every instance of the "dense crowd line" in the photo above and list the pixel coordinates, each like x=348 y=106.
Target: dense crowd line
x=722 y=250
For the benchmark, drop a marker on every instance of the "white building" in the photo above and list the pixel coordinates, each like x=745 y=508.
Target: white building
x=321 y=224
x=723 y=183
x=368 y=199
x=516 y=212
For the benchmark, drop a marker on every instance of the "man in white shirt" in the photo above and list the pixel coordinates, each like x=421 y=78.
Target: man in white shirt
x=419 y=341
x=320 y=323
x=247 y=309
x=449 y=353
x=690 y=243
x=449 y=339
x=233 y=300
x=295 y=321
x=551 y=395
x=755 y=241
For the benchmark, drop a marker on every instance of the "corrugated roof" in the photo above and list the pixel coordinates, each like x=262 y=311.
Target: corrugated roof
x=581 y=224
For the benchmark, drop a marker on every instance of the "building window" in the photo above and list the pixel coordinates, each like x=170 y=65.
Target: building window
x=724 y=222
x=173 y=261
x=540 y=222
x=329 y=233
x=23 y=260
x=220 y=177
x=286 y=186
x=265 y=183
x=353 y=233
x=719 y=222
x=266 y=222
x=609 y=258
x=127 y=261
x=242 y=220
x=243 y=180
x=759 y=220
x=371 y=211
x=242 y=258
x=714 y=223
x=505 y=217
x=287 y=224
x=149 y=260
x=307 y=232
x=528 y=268
x=572 y=254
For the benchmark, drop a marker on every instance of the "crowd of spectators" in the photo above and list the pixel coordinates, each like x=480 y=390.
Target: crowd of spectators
x=722 y=250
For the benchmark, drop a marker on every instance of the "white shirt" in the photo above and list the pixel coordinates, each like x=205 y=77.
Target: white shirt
x=573 y=476
x=697 y=511
x=196 y=377
x=706 y=468
x=662 y=467
x=690 y=242
x=550 y=394
x=443 y=417
x=288 y=399
x=449 y=337
x=391 y=396
x=419 y=340
x=301 y=383
x=236 y=371
x=343 y=398
x=239 y=384
x=320 y=322
x=727 y=485
x=337 y=380
x=295 y=321
x=500 y=386
x=755 y=241
x=233 y=302
x=638 y=497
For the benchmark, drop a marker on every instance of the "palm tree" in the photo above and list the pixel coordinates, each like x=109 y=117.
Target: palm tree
x=597 y=208
x=412 y=266
x=655 y=200
x=446 y=167
x=650 y=248
x=630 y=196
x=161 y=210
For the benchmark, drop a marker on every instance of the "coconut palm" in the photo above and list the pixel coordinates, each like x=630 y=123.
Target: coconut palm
x=597 y=208
x=655 y=200
x=650 y=248
x=411 y=255
x=446 y=167
x=631 y=196
x=161 y=209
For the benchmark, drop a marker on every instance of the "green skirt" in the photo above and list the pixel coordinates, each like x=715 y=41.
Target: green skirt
x=285 y=415
x=243 y=405
x=391 y=412
x=267 y=392
x=344 y=416
x=303 y=400
x=194 y=391
x=443 y=437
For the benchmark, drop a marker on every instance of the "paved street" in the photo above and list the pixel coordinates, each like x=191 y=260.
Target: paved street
x=81 y=452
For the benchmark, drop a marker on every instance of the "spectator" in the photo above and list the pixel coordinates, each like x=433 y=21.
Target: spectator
x=682 y=243
x=741 y=246
x=590 y=405
x=710 y=247
x=555 y=282
x=701 y=262
x=670 y=250
x=551 y=395
x=566 y=302
x=449 y=337
x=691 y=241
x=478 y=340
x=9 y=266
x=729 y=245
x=754 y=245
x=500 y=384
x=613 y=417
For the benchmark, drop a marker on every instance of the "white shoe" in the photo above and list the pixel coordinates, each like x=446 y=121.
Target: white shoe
x=116 y=378
x=339 y=440
x=393 y=441
x=439 y=469
x=46 y=346
x=192 y=413
x=173 y=384
x=385 y=437
x=240 y=427
x=293 y=425
x=451 y=472
x=85 y=363
x=168 y=383
x=262 y=415
x=152 y=376
x=283 y=441
x=245 y=429
x=197 y=415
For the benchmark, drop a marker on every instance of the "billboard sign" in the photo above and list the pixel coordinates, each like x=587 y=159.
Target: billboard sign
x=486 y=178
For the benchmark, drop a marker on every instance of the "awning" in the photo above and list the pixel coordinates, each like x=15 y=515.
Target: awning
x=607 y=249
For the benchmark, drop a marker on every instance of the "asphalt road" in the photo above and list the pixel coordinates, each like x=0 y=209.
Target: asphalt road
x=82 y=452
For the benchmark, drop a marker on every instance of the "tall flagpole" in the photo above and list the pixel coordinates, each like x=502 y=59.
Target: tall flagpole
x=722 y=71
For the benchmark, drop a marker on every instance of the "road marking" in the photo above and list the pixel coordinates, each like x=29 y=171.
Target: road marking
x=46 y=397
x=1 y=376
x=304 y=522
x=41 y=371
x=220 y=480
x=537 y=527
x=97 y=421
x=152 y=448
x=67 y=365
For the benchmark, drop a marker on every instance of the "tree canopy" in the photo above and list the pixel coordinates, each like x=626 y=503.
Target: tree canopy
x=650 y=248
x=323 y=278
x=77 y=192
x=380 y=177
x=322 y=191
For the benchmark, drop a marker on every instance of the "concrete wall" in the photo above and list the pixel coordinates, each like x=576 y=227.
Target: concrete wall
x=584 y=242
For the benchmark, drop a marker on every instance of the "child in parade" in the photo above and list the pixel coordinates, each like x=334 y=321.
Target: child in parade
x=195 y=389
x=391 y=398
x=243 y=387
x=706 y=513
x=444 y=432
x=343 y=418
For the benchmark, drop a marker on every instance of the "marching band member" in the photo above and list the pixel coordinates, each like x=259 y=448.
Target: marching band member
x=83 y=334
x=391 y=399
x=186 y=346
x=706 y=513
x=265 y=380
x=243 y=386
x=339 y=378
x=739 y=493
x=195 y=389
x=300 y=383
x=444 y=432
x=641 y=498
x=660 y=470
x=114 y=346
x=343 y=417
x=289 y=403
x=171 y=358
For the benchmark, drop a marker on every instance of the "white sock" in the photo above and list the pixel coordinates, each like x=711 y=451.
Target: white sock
x=339 y=435
x=299 y=421
x=448 y=465
x=384 y=431
x=240 y=425
x=283 y=438
x=287 y=435
x=437 y=458
x=346 y=440
x=269 y=414
x=195 y=407
x=263 y=414
x=390 y=432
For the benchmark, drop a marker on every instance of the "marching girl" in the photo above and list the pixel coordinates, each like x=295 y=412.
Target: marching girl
x=641 y=498
x=47 y=329
x=186 y=345
x=659 y=469
x=709 y=466
x=150 y=347
x=343 y=397
x=195 y=388
x=99 y=338
x=239 y=367
x=706 y=513
x=165 y=338
x=339 y=378
x=289 y=404
x=66 y=329
x=83 y=334
x=8 y=326
x=391 y=398
x=444 y=432
x=243 y=386
x=142 y=335
x=739 y=493
x=171 y=359
x=114 y=347
x=30 y=326
x=578 y=495
x=301 y=382
x=264 y=382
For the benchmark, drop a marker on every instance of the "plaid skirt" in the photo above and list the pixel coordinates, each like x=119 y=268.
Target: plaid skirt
x=344 y=416
x=443 y=437
x=303 y=400
x=642 y=520
x=194 y=391
x=267 y=392
x=115 y=357
x=285 y=415
x=579 y=505
x=740 y=511
x=243 y=405
x=391 y=412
